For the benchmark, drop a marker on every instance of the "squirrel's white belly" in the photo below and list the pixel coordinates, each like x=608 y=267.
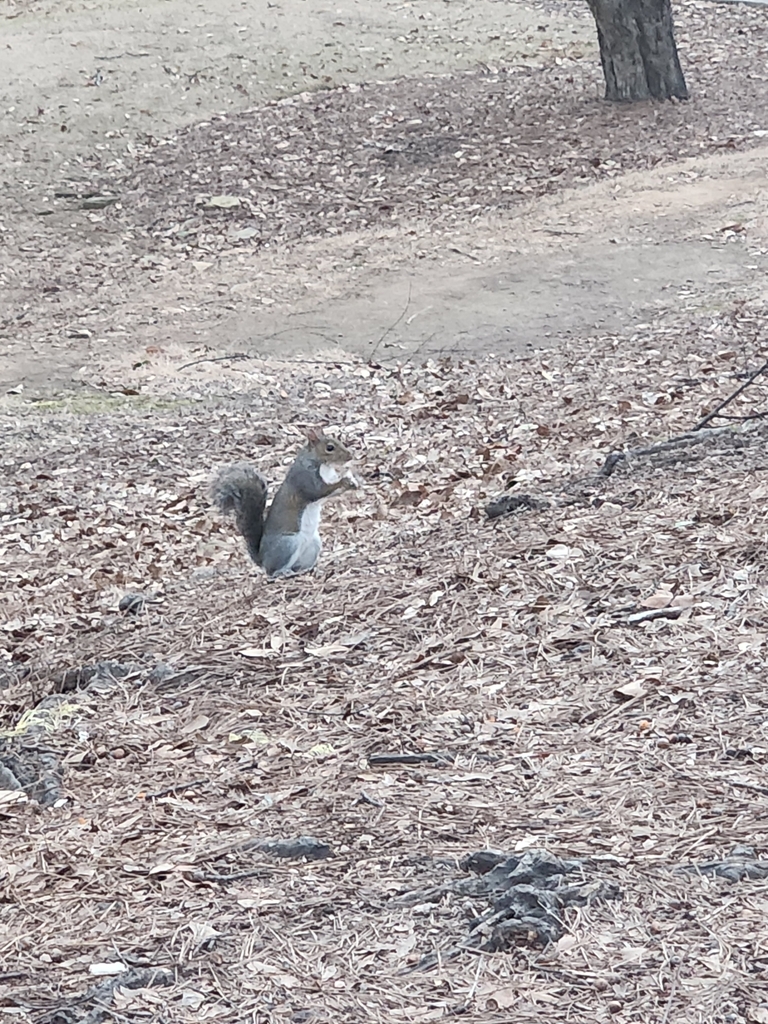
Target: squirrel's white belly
x=308 y=543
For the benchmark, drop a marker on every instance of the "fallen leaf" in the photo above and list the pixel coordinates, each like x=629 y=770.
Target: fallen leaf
x=105 y=970
x=501 y=998
x=631 y=690
x=224 y=202
x=202 y=932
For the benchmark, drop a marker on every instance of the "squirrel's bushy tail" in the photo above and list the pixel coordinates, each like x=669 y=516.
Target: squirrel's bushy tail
x=243 y=490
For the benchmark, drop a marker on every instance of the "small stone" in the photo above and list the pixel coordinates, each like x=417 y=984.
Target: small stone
x=681 y=737
x=747 y=852
x=132 y=604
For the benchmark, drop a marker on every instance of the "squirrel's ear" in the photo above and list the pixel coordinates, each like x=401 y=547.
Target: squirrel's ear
x=314 y=435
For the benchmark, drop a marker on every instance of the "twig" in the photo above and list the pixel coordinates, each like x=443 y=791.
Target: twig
x=392 y=326
x=623 y=707
x=726 y=401
x=170 y=790
x=668 y=1007
x=748 y=3
x=453 y=248
x=749 y=415
x=364 y=798
x=738 y=784
x=682 y=441
x=473 y=989
x=328 y=361
x=216 y=359
x=236 y=876
x=117 y=56
x=381 y=759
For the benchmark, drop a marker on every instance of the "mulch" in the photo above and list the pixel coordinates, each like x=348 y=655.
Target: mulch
x=223 y=717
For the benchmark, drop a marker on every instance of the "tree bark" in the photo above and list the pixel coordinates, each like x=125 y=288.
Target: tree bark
x=638 y=51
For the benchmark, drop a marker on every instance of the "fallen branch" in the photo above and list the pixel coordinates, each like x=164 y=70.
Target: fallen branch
x=392 y=326
x=711 y=415
x=681 y=441
x=236 y=876
x=696 y=435
x=654 y=613
x=382 y=759
x=178 y=787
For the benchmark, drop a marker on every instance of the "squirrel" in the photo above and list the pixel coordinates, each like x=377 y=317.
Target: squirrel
x=286 y=541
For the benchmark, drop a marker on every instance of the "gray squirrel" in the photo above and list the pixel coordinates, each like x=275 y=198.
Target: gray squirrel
x=287 y=540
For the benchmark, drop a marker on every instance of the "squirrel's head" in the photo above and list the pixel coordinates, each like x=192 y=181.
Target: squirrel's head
x=327 y=449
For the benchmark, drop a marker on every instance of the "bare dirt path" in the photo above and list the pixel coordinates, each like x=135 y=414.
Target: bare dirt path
x=551 y=270
x=691 y=236
x=84 y=83
x=79 y=101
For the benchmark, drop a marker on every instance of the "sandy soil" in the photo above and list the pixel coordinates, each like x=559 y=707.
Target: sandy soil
x=81 y=99
x=88 y=81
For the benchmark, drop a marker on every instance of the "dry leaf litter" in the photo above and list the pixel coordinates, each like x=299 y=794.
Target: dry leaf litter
x=173 y=745
x=220 y=713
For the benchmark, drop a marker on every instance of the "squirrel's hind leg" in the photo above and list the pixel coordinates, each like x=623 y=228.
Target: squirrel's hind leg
x=278 y=554
x=290 y=555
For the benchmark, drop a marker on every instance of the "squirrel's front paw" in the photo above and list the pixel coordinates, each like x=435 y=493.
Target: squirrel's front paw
x=351 y=480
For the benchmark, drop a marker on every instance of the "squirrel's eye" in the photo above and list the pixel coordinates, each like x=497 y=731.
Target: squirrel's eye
x=330 y=447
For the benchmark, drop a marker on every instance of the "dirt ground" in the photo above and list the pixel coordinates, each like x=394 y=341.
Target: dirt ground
x=105 y=79
x=84 y=103
x=415 y=222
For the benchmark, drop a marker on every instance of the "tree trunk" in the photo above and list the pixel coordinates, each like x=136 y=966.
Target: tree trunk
x=637 y=50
